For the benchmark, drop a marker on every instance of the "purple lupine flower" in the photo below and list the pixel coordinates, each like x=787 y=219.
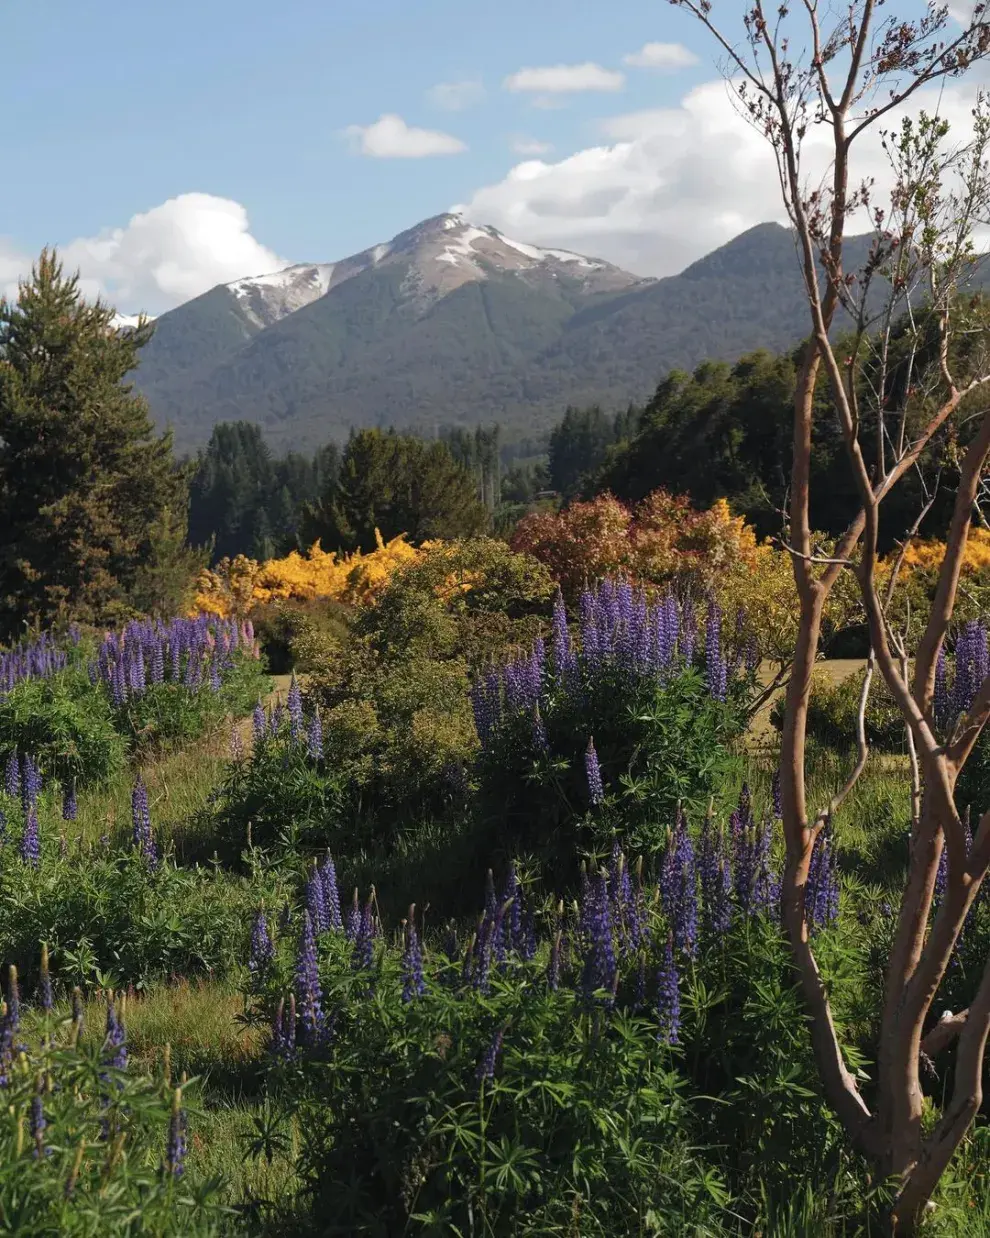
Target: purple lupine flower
x=214 y=675
x=413 y=983
x=512 y=896
x=778 y=814
x=678 y=886
x=175 y=1150
x=821 y=896
x=668 y=997
x=490 y=1057
x=157 y=661
x=563 y=656
x=69 y=807
x=716 y=881
x=12 y=776
x=31 y=840
x=308 y=991
x=352 y=924
x=331 y=894
x=115 y=1040
x=766 y=886
x=30 y=781
x=362 y=956
x=593 y=773
x=262 y=947
x=599 y=971
x=688 y=631
x=499 y=937
x=639 y=992
x=315 y=902
x=716 y=672
x=540 y=742
x=314 y=737
x=282 y=1044
x=193 y=676
x=295 y=705
x=622 y=900
x=143 y=836
x=118 y=685
x=481 y=965
x=140 y=813
x=258 y=722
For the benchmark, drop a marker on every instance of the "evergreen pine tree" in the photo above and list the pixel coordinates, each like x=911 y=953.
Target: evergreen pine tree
x=92 y=505
x=395 y=484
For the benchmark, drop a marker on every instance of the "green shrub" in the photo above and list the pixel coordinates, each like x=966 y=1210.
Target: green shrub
x=85 y=1146
x=109 y=921
x=834 y=707
x=66 y=725
x=167 y=714
x=658 y=744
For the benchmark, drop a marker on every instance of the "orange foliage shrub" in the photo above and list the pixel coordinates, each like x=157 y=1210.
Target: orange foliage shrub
x=660 y=540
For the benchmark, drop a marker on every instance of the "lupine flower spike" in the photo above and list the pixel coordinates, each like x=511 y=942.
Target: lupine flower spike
x=593 y=772
x=30 y=839
x=175 y=1153
x=69 y=807
x=262 y=948
x=413 y=983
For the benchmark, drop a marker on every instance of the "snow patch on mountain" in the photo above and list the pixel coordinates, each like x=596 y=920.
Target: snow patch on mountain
x=264 y=299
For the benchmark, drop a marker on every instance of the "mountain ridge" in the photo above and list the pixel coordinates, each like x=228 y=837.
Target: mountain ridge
x=452 y=322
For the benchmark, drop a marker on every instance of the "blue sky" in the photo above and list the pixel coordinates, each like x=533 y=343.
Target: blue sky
x=113 y=111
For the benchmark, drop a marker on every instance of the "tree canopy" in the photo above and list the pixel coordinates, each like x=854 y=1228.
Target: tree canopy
x=244 y=500
x=92 y=506
x=396 y=484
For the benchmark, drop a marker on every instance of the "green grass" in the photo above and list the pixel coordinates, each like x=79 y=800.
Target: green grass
x=179 y=783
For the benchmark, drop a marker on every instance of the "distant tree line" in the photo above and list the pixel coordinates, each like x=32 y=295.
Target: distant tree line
x=243 y=499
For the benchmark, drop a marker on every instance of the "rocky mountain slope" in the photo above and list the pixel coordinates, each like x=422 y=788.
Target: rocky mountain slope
x=451 y=322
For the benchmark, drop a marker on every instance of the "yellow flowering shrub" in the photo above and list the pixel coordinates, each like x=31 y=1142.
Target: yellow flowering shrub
x=235 y=585
x=763 y=585
x=928 y=555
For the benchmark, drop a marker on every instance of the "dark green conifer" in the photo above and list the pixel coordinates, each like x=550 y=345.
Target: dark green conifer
x=92 y=506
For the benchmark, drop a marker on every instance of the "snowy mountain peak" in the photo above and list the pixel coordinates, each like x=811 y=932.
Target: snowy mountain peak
x=436 y=256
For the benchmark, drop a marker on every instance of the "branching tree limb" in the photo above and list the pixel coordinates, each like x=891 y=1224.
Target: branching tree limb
x=895 y=393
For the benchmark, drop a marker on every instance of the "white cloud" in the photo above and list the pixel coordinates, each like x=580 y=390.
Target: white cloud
x=670 y=184
x=391 y=138
x=530 y=146
x=565 y=79
x=162 y=257
x=456 y=96
x=665 y=56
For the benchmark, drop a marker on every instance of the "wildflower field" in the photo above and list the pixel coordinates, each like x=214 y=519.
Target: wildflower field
x=471 y=929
